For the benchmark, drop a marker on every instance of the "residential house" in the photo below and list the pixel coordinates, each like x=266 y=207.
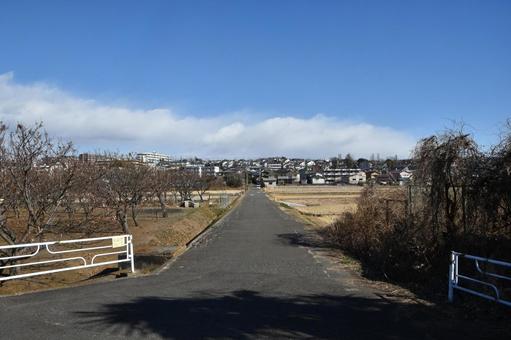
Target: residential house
x=318 y=178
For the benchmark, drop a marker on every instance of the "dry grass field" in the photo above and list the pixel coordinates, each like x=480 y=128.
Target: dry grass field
x=320 y=204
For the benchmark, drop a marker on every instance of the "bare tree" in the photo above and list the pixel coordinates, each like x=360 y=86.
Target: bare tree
x=447 y=165
x=202 y=184
x=7 y=191
x=84 y=201
x=124 y=186
x=36 y=173
x=184 y=184
x=161 y=183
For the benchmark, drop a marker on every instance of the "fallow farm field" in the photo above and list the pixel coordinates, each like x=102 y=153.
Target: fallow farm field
x=320 y=204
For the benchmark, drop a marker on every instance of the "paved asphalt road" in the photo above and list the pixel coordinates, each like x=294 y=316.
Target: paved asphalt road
x=248 y=277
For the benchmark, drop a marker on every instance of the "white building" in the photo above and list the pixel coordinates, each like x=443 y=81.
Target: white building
x=357 y=178
x=273 y=166
x=336 y=175
x=153 y=158
x=318 y=179
x=405 y=174
x=270 y=181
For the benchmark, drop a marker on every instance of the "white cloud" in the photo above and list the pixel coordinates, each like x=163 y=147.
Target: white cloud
x=93 y=125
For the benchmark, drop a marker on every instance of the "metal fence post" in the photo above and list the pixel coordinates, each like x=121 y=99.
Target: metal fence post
x=132 y=255
x=451 y=277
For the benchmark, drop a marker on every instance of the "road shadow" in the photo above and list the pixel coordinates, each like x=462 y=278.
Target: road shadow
x=305 y=239
x=248 y=314
x=469 y=312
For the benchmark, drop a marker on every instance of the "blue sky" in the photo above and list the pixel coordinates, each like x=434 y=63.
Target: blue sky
x=369 y=69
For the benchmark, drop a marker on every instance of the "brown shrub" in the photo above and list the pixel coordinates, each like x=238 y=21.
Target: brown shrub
x=459 y=200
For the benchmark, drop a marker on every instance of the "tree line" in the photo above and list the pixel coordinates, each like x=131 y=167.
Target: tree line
x=45 y=188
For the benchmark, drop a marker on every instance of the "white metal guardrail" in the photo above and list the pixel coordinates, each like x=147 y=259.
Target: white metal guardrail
x=460 y=281
x=122 y=242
